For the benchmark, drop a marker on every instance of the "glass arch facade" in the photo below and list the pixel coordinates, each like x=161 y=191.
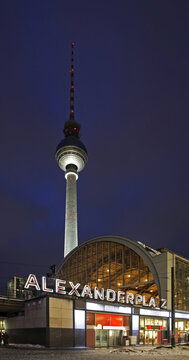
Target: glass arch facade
x=109 y=264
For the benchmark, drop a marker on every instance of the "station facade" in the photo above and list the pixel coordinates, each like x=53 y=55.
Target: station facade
x=109 y=291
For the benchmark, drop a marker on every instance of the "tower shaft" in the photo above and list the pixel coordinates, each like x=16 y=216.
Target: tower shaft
x=71 y=230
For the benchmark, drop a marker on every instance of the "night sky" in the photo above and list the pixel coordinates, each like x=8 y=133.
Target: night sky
x=131 y=99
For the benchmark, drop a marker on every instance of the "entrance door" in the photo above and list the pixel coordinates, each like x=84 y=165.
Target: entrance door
x=101 y=338
x=105 y=338
x=151 y=337
x=115 y=337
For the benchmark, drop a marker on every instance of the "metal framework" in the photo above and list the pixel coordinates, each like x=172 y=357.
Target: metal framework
x=109 y=264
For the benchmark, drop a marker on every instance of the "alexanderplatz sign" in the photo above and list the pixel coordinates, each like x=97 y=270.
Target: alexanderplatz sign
x=97 y=294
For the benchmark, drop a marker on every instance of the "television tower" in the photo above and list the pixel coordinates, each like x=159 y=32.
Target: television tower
x=71 y=156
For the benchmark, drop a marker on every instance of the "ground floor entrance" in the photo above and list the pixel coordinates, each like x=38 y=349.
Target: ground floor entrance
x=105 y=329
x=105 y=338
x=153 y=337
x=153 y=331
x=181 y=331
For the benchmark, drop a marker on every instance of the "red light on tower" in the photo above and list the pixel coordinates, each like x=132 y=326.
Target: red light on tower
x=75 y=129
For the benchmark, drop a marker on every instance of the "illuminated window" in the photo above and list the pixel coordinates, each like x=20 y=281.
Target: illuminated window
x=111 y=265
x=79 y=319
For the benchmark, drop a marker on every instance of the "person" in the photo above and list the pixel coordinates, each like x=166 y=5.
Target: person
x=1 y=337
x=5 y=338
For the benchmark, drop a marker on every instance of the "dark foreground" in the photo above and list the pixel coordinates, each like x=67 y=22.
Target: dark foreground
x=128 y=353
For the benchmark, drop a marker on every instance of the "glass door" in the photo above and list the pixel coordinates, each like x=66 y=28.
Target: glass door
x=115 y=337
x=101 y=338
x=151 y=337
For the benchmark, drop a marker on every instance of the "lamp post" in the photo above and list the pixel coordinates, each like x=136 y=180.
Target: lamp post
x=173 y=306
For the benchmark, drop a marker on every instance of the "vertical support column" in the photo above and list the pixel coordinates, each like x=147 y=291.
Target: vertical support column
x=71 y=231
x=135 y=326
x=47 y=322
x=173 y=306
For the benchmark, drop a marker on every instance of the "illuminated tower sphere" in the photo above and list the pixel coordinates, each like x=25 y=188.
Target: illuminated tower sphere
x=71 y=156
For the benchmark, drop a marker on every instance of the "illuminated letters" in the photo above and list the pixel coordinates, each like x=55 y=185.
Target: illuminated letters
x=129 y=298
x=74 y=289
x=121 y=296
x=163 y=304
x=87 y=291
x=60 y=288
x=108 y=295
x=32 y=281
x=98 y=293
x=144 y=301
x=138 y=299
x=152 y=302
x=44 y=285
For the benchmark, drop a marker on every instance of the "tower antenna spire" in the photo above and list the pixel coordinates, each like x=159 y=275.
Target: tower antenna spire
x=72 y=84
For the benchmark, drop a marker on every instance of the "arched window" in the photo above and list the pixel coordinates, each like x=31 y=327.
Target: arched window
x=109 y=264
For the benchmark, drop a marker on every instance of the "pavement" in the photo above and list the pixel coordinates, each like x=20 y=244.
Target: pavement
x=29 y=352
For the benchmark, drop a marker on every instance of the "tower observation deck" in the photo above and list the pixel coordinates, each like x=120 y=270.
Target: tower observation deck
x=71 y=156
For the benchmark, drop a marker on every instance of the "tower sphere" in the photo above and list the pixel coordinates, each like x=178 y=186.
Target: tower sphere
x=71 y=154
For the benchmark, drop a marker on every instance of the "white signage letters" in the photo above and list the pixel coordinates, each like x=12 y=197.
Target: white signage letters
x=152 y=302
x=121 y=296
x=110 y=295
x=163 y=304
x=32 y=281
x=44 y=287
x=60 y=288
x=74 y=289
x=98 y=294
x=87 y=291
x=129 y=298
x=101 y=294
x=138 y=299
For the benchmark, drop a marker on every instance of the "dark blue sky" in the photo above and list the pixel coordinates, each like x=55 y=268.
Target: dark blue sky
x=131 y=99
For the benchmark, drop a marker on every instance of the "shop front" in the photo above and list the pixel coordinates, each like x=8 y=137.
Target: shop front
x=153 y=331
x=105 y=330
x=181 y=331
x=62 y=321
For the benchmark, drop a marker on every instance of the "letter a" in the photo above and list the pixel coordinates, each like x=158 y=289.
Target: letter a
x=32 y=281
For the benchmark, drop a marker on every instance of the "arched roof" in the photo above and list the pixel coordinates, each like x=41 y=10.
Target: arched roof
x=147 y=254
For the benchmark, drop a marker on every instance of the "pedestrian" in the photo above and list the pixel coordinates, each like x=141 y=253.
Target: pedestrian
x=5 y=338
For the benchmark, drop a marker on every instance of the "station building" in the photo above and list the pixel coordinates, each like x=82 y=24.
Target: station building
x=109 y=291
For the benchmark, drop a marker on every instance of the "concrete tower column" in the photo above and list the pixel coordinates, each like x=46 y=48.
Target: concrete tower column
x=71 y=230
